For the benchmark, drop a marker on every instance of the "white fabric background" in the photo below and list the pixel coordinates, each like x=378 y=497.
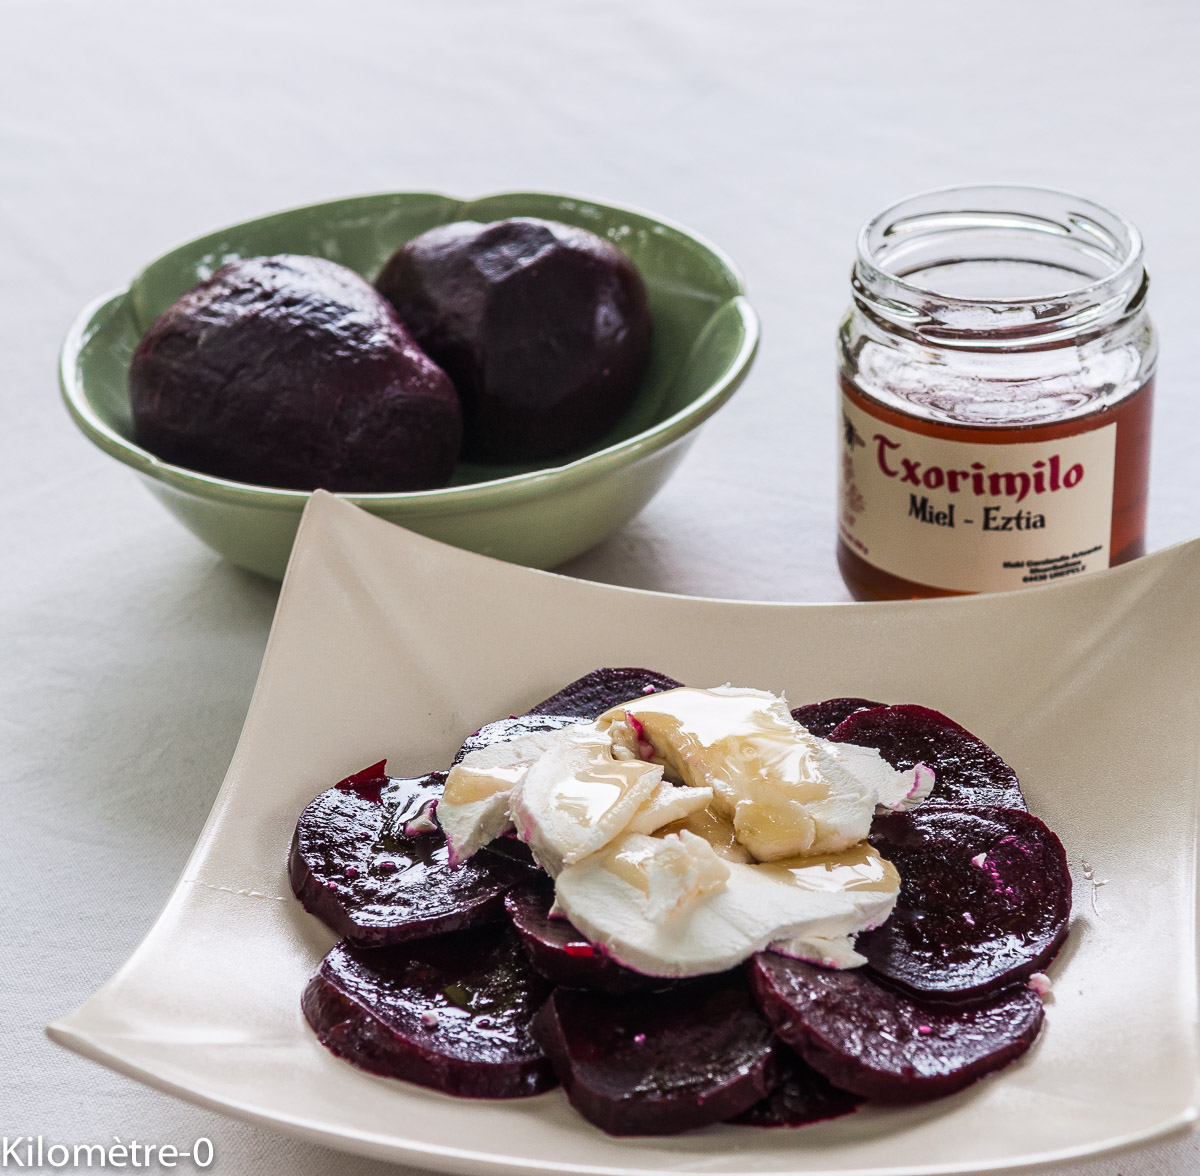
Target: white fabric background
x=129 y=652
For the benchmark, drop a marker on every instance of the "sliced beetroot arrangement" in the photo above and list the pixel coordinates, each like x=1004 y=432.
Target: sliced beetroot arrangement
x=453 y=1013
x=967 y=770
x=506 y=730
x=871 y=1040
x=822 y=717
x=462 y=981
x=803 y=1096
x=368 y=860
x=590 y=696
x=985 y=896
x=560 y=952
x=659 y=1063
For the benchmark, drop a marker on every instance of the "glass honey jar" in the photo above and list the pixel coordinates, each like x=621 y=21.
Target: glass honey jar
x=997 y=372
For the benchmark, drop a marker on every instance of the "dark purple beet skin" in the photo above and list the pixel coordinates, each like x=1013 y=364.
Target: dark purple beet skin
x=352 y=865
x=560 y=952
x=659 y=1063
x=590 y=696
x=293 y=372
x=543 y=327
x=985 y=898
x=803 y=1096
x=822 y=717
x=871 y=1040
x=452 y=1013
x=967 y=770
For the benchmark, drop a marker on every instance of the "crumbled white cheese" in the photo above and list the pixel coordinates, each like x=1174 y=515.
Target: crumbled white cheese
x=687 y=829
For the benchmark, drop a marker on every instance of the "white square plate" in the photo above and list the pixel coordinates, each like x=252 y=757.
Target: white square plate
x=386 y=643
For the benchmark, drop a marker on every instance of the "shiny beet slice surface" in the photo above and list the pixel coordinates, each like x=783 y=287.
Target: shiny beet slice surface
x=453 y=1012
x=506 y=730
x=967 y=770
x=822 y=717
x=803 y=1096
x=659 y=1063
x=871 y=1040
x=560 y=952
x=590 y=696
x=353 y=865
x=985 y=898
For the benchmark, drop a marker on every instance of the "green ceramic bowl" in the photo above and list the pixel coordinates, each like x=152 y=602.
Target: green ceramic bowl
x=705 y=337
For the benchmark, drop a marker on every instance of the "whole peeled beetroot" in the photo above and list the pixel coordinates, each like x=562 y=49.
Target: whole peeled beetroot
x=293 y=372
x=543 y=327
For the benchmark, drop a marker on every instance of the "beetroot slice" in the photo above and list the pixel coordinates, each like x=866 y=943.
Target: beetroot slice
x=967 y=770
x=873 y=1041
x=658 y=1063
x=803 y=1096
x=353 y=867
x=590 y=696
x=453 y=1013
x=822 y=717
x=506 y=730
x=560 y=952
x=985 y=896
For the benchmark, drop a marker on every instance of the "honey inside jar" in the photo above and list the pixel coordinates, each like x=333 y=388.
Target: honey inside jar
x=996 y=381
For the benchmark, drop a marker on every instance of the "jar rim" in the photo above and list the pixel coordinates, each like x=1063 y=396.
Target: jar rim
x=1080 y=229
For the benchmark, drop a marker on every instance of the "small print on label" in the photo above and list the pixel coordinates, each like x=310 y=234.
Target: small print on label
x=974 y=516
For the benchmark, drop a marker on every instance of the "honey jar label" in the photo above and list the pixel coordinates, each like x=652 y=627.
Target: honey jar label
x=974 y=516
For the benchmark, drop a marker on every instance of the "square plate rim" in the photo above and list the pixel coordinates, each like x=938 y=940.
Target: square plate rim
x=93 y=1045
x=89 y=1046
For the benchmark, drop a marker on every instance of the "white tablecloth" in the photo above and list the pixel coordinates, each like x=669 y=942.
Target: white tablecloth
x=129 y=651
